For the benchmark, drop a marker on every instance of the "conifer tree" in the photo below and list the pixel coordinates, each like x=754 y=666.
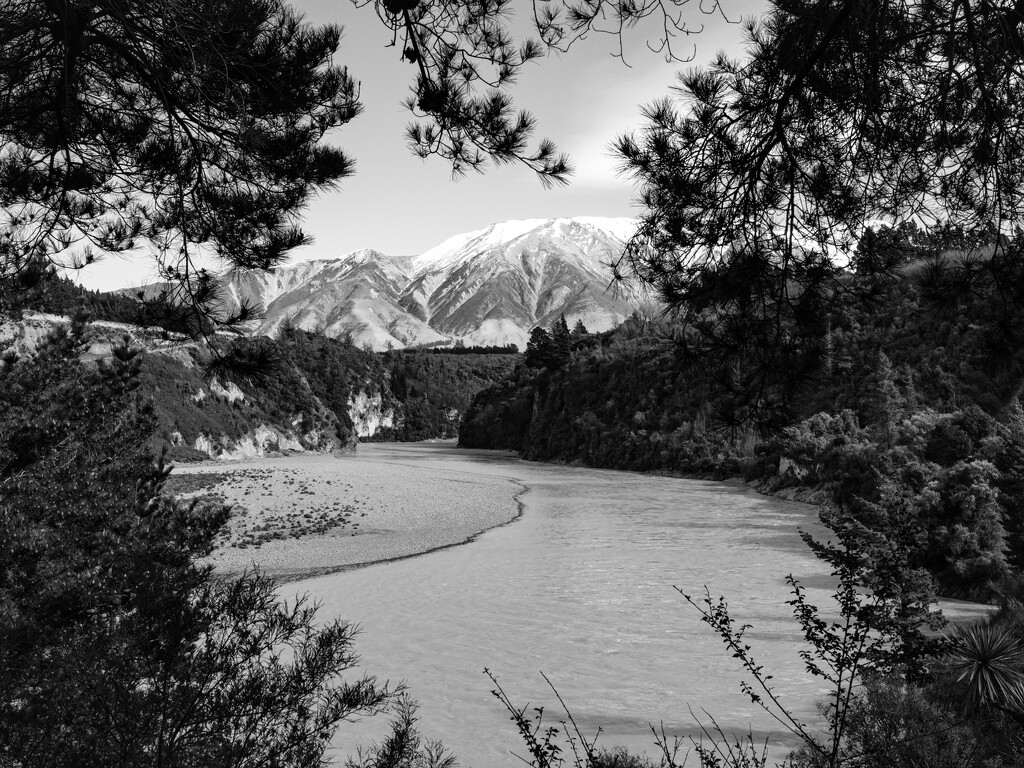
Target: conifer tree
x=185 y=125
x=538 y=348
x=194 y=128
x=761 y=173
x=560 y=340
x=885 y=401
x=117 y=647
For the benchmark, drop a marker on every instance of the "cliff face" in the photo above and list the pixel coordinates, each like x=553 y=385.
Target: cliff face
x=369 y=414
x=201 y=416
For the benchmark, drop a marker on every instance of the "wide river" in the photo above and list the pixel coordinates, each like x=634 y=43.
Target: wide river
x=581 y=588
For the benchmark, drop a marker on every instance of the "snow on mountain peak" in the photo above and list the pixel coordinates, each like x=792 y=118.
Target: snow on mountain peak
x=507 y=233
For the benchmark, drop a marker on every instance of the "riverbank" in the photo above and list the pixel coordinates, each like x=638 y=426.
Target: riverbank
x=296 y=517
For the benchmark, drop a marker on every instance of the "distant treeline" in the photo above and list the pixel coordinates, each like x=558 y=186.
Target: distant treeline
x=52 y=294
x=459 y=349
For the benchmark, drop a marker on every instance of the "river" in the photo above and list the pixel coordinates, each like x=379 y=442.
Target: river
x=580 y=587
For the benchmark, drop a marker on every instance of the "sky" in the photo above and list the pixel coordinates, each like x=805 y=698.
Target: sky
x=400 y=204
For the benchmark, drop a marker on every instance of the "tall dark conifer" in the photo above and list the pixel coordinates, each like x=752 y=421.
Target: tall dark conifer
x=560 y=341
x=538 y=348
x=188 y=126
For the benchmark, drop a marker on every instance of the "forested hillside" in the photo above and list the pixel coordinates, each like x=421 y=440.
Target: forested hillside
x=299 y=391
x=256 y=395
x=911 y=425
x=418 y=394
x=434 y=389
x=325 y=386
x=52 y=294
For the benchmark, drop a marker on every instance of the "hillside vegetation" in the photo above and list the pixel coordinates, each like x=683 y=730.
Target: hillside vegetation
x=308 y=392
x=432 y=390
x=301 y=391
x=329 y=393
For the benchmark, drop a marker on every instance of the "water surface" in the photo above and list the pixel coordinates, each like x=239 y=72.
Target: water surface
x=581 y=588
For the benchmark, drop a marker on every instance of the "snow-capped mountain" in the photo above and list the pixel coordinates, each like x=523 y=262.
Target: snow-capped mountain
x=358 y=293
x=486 y=287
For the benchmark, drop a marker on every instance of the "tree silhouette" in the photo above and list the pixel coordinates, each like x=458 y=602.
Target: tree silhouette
x=763 y=175
x=188 y=125
x=539 y=348
x=465 y=54
x=560 y=340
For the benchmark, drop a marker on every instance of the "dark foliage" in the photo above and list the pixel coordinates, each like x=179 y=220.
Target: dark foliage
x=334 y=372
x=499 y=417
x=60 y=296
x=432 y=391
x=621 y=401
x=462 y=349
x=464 y=56
x=305 y=387
x=198 y=128
x=188 y=404
x=405 y=746
x=187 y=126
x=116 y=646
x=761 y=177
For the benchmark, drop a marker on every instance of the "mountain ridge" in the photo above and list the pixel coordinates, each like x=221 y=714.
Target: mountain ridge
x=487 y=287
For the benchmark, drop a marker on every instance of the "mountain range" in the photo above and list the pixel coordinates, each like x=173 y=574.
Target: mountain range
x=488 y=287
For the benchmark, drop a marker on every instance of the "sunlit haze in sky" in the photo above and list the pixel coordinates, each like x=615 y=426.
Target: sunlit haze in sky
x=401 y=205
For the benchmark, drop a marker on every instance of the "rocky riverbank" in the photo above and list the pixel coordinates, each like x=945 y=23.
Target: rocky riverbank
x=300 y=516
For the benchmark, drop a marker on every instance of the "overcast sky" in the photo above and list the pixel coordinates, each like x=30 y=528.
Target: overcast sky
x=402 y=205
